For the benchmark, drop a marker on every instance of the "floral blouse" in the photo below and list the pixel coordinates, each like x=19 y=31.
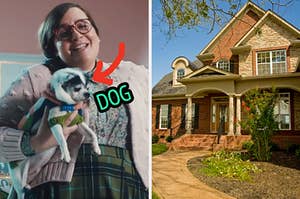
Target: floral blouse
x=111 y=126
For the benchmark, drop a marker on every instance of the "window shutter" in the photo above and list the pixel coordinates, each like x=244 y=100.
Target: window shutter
x=231 y=64
x=196 y=118
x=169 y=116
x=157 y=116
x=182 y=123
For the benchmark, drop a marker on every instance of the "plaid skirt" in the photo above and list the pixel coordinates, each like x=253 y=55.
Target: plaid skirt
x=111 y=175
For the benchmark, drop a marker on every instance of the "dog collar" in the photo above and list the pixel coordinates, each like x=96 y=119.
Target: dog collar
x=70 y=108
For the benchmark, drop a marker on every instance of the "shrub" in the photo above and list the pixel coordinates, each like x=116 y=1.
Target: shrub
x=228 y=165
x=274 y=146
x=291 y=148
x=155 y=139
x=169 y=138
x=154 y=195
x=259 y=106
x=297 y=153
x=158 y=149
x=248 y=145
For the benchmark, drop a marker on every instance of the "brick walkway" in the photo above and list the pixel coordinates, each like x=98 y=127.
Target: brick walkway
x=172 y=180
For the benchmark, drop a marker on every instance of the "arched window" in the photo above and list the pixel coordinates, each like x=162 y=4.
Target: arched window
x=180 y=73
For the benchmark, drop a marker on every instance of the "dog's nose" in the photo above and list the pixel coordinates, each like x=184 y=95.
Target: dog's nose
x=86 y=95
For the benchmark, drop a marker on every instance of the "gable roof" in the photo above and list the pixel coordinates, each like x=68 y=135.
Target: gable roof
x=246 y=7
x=208 y=73
x=262 y=21
x=207 y=70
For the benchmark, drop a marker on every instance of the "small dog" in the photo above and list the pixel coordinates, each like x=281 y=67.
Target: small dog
x=69 y=88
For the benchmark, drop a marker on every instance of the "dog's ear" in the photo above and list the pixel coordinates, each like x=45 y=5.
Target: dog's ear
x=57 y=85
x=62 y=95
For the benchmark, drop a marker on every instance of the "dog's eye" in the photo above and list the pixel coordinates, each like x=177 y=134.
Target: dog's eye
x=77 y=89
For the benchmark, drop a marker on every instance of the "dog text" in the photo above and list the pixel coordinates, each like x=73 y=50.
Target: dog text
x=113 y=97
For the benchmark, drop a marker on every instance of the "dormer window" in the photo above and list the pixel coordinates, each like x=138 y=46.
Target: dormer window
x=180 y=73
x=224 y=65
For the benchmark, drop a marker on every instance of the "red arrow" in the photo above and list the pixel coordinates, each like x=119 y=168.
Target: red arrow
x=101 y=76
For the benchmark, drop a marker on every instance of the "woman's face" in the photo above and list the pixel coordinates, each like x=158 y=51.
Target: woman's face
x=78 y=50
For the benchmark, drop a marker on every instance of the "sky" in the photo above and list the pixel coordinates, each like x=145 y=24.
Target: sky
x=189 y=43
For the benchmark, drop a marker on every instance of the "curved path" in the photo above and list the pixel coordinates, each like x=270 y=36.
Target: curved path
x=171 y=178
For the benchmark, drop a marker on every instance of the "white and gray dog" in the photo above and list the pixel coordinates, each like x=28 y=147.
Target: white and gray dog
x=69 y=88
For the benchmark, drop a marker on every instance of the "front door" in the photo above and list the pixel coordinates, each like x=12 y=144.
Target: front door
x=219 y=116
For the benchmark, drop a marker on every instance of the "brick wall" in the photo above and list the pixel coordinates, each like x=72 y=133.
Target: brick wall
x=296 y=110
x=221 y=48
x=204 y=117
x=271 y=37
x=294 y=58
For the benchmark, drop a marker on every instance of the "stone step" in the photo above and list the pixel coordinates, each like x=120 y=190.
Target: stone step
x=207 y=142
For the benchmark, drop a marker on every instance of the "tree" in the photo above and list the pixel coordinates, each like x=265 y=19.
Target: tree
x=258 y=106
x=191 y=14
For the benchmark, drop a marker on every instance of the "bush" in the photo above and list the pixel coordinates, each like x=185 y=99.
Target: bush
x=297 y=153
x=169 y=138
x=274 y=146
x=158 y=149
x=248 y=145
x=292 y=148
x=229 y=165
x=154 y=195
x=258 y=106
x=155 y=139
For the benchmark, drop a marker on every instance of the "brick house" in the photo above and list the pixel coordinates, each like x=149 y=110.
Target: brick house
x=256 y=49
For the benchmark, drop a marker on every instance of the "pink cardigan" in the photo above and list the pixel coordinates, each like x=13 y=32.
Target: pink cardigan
x=22 y=94
x=25 y=91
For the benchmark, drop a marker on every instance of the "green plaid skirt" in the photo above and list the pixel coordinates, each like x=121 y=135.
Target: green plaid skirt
x=111 y=175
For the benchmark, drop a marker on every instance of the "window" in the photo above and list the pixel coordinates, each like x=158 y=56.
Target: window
x=271 y=62
x=163 y=119
x=223 y=65
x=180 y=73
x=195 y=115
x=282 y=111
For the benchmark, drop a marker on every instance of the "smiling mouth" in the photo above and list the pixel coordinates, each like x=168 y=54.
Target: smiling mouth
x=80 y=47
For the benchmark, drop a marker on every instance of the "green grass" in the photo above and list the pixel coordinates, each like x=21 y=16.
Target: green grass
x=158 y=149
x=228 y=165
x=154 y=195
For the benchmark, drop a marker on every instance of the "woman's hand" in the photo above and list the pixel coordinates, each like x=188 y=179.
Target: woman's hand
x=44 y=139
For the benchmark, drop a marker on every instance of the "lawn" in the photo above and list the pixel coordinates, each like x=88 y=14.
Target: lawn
x=158 y=149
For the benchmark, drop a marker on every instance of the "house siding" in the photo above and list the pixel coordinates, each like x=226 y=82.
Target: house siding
x=272 y=36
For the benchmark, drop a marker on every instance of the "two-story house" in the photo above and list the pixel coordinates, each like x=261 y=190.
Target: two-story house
x=256 y=49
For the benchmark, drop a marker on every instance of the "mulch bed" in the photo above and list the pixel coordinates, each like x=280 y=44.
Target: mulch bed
x=279 y=179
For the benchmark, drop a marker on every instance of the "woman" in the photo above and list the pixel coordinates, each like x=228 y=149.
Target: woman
x=69 y=38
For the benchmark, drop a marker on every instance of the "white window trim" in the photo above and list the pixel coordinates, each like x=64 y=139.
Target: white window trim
x=286 y=93
x=271 y=61
x=160 y=116
x=228 y=62
x=177 y=73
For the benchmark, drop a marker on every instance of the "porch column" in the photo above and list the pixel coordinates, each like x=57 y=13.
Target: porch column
x=189 y=116
x=231 y=115
x=238 y=115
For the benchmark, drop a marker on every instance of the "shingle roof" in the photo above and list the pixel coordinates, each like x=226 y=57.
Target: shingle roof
x=164 y=86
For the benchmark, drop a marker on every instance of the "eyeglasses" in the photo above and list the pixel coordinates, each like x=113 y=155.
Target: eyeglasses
x=65 y=32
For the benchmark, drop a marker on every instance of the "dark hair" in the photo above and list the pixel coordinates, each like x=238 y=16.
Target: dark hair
x=51 y=22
